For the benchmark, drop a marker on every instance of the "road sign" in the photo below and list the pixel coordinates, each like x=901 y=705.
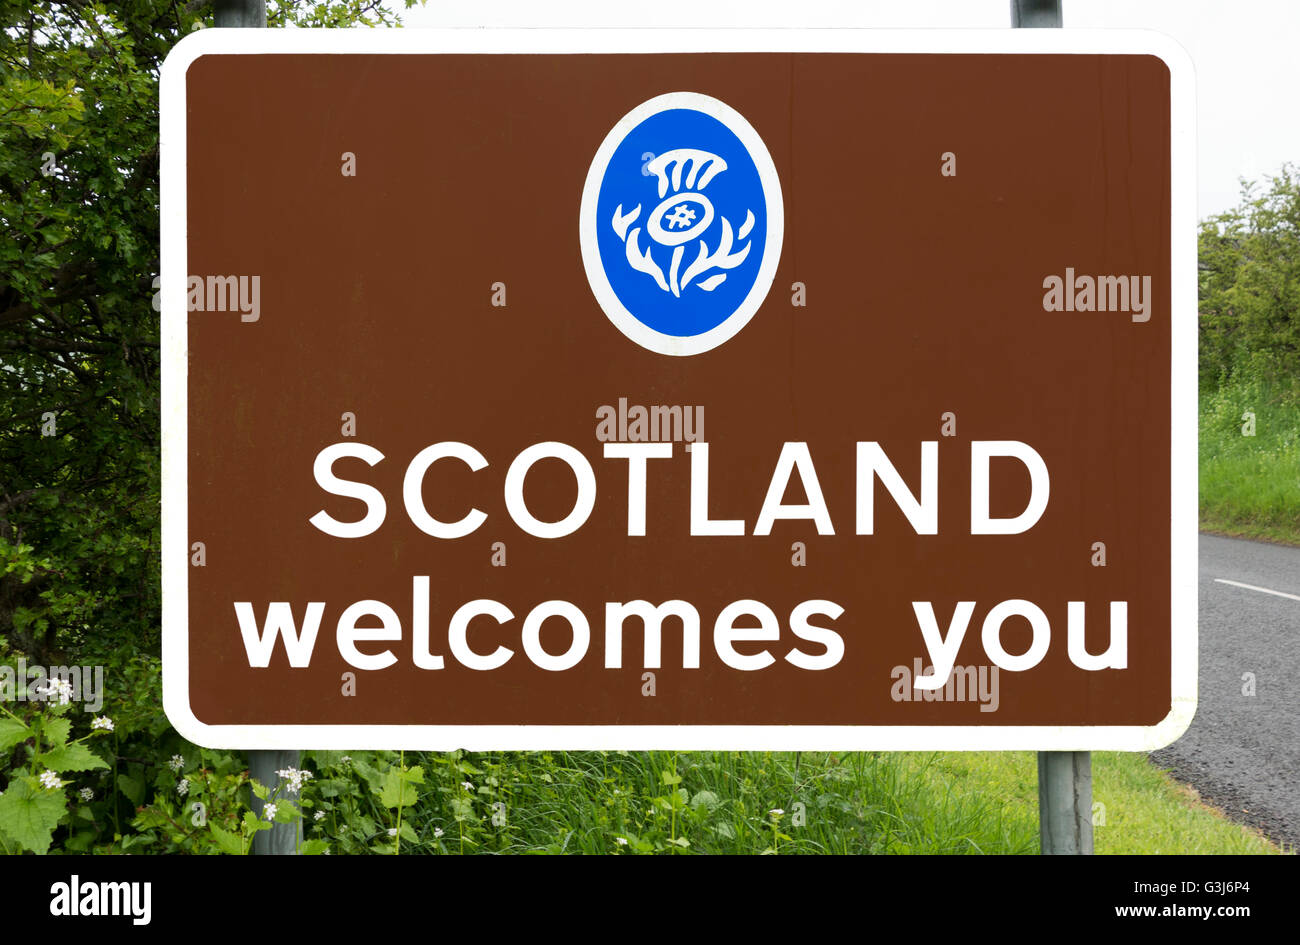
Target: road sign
x=648 y=389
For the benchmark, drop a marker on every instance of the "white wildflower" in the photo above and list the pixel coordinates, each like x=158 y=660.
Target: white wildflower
x=437 y=832
x=49 y=779
x=392 y=831
x=177 y=762
x=621 y=841
x=294 y=778
x=183 y=787
x=467 y=786
x=320 y=815
x=269 y=811
x=87 y=794
x=59 y=689
x=776 y=812
x=103 y=722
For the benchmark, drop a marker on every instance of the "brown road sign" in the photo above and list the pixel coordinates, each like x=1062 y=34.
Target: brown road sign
x=653 y=389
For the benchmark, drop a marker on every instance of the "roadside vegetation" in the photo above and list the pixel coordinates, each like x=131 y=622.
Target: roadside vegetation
x=121 y=781
x=1250 y=485
x=1250 y=364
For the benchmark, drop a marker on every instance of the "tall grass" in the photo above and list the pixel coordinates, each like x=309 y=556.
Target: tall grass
x=1250 y=484
x=665 y=802
x=742 y=803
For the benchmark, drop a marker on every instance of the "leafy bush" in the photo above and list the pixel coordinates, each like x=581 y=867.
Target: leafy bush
x=1249 y=261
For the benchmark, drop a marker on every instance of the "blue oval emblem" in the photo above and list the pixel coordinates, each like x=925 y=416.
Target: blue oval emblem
x=681 y=223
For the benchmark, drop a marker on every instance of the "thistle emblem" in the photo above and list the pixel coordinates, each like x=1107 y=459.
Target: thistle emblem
x=684 y=213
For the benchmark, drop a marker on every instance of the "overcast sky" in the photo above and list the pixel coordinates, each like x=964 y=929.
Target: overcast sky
x=1246 y=53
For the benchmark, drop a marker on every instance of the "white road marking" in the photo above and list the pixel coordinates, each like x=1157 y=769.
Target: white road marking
x=1262 y=590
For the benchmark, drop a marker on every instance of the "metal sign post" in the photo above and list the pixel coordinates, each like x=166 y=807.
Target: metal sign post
x=1065 y=802
x=1036 y=13
x=282 y=839
x=1064 y=777
x=240 y=13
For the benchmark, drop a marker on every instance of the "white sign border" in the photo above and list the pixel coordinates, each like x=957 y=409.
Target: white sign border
x=1183 y=404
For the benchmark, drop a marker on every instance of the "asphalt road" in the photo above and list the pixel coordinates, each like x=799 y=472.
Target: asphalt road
x=1242 y=752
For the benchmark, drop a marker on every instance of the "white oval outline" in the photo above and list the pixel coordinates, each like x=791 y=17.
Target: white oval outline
x=615 y=310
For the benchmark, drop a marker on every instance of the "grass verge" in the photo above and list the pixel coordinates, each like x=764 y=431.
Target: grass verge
x=757 y=802
x=1249 y=460
x=1143 y=810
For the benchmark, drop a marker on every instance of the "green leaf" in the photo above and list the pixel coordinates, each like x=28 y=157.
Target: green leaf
x=670 y=778
x=29 y=815
x=54 y=732
x=80 y=842
x=12 y=732
x=285 y=812
x=706 y=799
x=398 y=789
x=132 y=788
x=330 y=787
x=314 y=847
x=324 y=758
x=226 y=841
x=73 y=757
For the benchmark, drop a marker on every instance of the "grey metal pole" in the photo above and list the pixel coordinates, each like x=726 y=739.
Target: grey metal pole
x=1065 y=802
x=1036 y=13
x=234 y=13
x=1064 y=777
x=282 y=839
